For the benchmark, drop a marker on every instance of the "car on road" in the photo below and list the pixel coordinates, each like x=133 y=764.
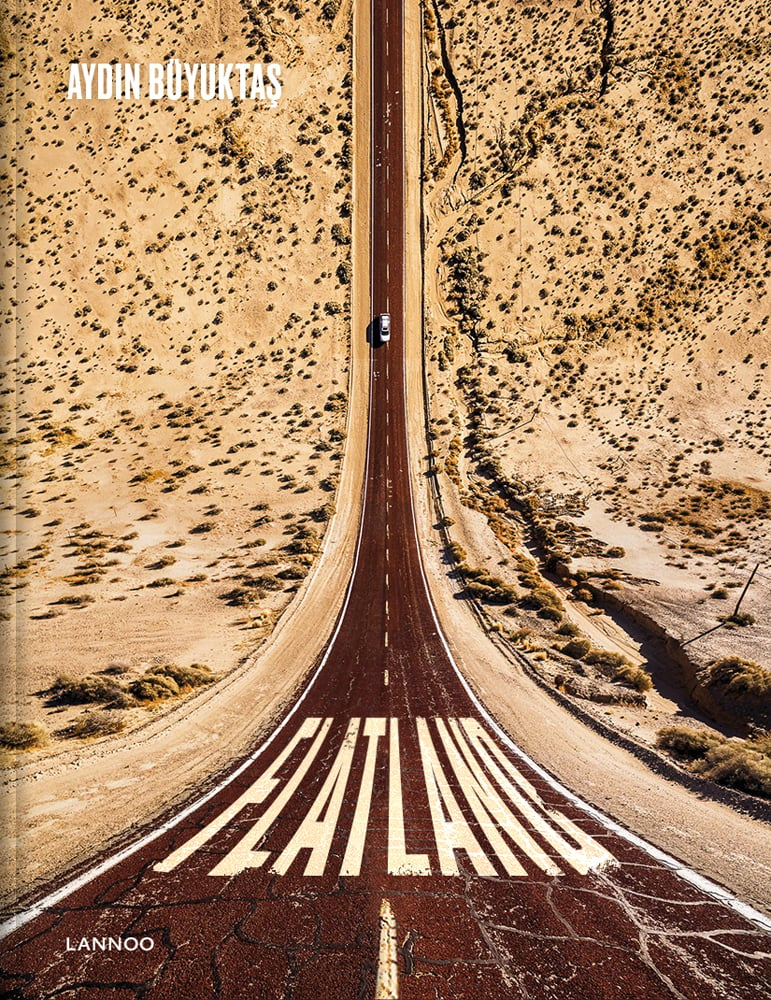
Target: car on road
x=384 y=327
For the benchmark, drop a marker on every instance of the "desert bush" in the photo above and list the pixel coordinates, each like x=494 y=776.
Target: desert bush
x=22 y=735
x=122 y=700
x=738 y=765
x=577 y=648
x=742 y=764
x=496 y=592
x=162 y=562
x=619 y=669
x=686 y=743
x=606 y=658
x=568 y=628
x=67 y=690
x=583 y=594
x=306 y=540
x=633 y=676
x=542 y=597
x=740 y=677
x=186 y=678
x=154 y=687
x=96 y=723
x=740 y=618
x=239 y=597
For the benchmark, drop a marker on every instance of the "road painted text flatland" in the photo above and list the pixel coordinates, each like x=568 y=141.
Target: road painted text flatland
x=480 y=805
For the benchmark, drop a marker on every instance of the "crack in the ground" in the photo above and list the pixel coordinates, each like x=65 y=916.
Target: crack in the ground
x=407 y=951
x=454 y=85
x=608 y=14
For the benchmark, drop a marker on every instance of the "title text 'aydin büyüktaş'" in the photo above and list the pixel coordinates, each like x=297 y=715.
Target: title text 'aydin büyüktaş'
x=174 y=80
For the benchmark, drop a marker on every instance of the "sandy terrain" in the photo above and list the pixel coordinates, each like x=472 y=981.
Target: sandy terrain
x=180 y=378
x=597 y=312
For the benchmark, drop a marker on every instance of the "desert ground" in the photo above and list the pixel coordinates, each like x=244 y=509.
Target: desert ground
x=175 y=355
x=597 y=322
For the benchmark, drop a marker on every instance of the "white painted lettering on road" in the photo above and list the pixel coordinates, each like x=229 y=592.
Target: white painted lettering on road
x=455 y=833
x=243 y=854
x=473 y=806
x=315 y=832
x=399 y=861
x=373 y=730
x=254 y=794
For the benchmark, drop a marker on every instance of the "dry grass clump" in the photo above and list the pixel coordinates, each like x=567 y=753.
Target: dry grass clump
x=620 y=669
x=481 y=584
x=22 y=735
x=740 y=677
x=577 y=648
x=744 y=684
x=96 y=723
x=67 y=690
x=632 y=676
x=610 y=663
x=742 y=764
x=156 y=684
x=169 y=681
x=154 y=687
x=686 y=743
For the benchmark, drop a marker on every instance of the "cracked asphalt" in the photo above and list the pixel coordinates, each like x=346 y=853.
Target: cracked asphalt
x=387 y=781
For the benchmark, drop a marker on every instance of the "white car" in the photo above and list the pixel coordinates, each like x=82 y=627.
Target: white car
x=384 y=327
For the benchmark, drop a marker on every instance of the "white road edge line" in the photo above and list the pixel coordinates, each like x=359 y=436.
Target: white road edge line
x=387 y=982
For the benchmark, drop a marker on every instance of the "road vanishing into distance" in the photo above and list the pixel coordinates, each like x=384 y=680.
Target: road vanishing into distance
x=388 y=839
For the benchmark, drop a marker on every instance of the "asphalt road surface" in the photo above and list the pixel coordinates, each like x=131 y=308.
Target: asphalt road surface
x=388 y=839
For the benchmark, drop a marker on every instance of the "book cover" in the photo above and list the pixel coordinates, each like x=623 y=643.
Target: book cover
x=385 y=560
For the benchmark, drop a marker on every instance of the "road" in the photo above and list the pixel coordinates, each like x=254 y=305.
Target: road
x=388 y=839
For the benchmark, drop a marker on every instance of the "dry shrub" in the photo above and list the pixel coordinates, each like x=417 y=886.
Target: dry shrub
x=620 y=669
x=606 y=659
x=738 y=765
x=170 y=681
x=186 y=678
x=154 y=687
x=67 y=690
x=541 y=598
x=22 y=735
x=744 y=685
x=740 y=677
x=568 y=628
x=96 y=723
x=633 y=677
x=686 y=743
x=741 y=764
x=577 y=648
